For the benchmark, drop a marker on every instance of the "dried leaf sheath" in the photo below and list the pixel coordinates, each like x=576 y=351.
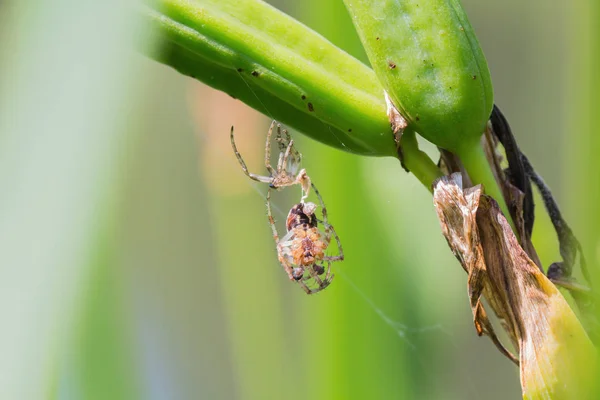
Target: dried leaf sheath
x=457 y=213
x=555 y=352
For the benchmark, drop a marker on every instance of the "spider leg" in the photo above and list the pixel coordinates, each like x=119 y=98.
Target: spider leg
x=325 y=268
x=284 y=263
x=281 y=142
x=259 y=178
x=282 y=148
x=286 y=241
x=329 y=230
x=305 y=287
x=314 y=275
x=329 y=275
x=283 y=161
x=328 y=279
x=271 y=219
x=286 y=166
x=295 y=156
x=268 y=149
x=321 y=283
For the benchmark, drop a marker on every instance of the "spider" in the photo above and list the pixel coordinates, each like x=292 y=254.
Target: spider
x=301 y=252
x=288 y=172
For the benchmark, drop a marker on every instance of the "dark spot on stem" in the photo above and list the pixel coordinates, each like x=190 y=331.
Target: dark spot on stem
x=377 y=38
x=418 y=118
x=255 y=73
x=303 y=97
x=239 y=70
x=391 y=64
x=310 y=107
x=474 y=77
x=349 y=130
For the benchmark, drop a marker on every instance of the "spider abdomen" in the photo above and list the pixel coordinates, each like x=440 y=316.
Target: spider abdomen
x=307 y=246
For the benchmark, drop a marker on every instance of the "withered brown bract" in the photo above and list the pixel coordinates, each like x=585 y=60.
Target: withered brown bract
x=554 y=350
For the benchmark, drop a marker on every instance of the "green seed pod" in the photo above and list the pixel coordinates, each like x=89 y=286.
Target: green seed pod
x=427 y=57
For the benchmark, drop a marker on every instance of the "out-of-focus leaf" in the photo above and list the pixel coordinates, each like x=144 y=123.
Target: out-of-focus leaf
x=64 y=69
x=580 y=140
x=103 y=366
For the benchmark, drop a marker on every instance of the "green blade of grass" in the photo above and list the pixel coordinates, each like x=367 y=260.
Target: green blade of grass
x=63 y=73
x=102 y=366
x=581 y=141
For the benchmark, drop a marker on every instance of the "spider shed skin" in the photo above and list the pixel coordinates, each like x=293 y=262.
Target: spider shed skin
x=287 y=172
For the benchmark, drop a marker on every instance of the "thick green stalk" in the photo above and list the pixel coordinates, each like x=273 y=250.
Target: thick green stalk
x=278 y=66
x=418 y=162
x=480 y=172
x=283 y=69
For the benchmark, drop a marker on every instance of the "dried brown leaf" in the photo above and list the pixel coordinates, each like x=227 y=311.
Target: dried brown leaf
x=555 y=352
x=457 y=211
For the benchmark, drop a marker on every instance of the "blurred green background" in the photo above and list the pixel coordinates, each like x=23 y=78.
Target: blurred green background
x=136 y=260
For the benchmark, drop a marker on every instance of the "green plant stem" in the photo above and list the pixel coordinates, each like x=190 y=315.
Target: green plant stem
x=212 y=40
x=480 y=172
x=255 y=52
x=417 y=161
